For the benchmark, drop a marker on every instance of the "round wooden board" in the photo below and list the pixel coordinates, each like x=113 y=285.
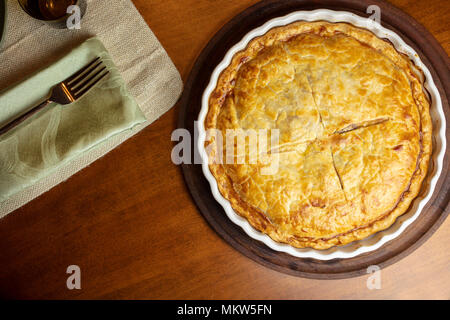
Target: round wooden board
x=435 y=212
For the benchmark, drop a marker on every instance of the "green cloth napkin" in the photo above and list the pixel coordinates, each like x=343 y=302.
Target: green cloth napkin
x=58 y=133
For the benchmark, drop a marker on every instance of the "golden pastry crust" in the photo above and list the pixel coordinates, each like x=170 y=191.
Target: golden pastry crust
x=355 y=133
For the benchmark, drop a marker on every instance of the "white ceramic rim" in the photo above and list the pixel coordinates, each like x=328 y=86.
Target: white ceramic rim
x=439 y=126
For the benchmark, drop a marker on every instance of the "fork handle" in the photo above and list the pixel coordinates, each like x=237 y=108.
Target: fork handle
x=23 y=117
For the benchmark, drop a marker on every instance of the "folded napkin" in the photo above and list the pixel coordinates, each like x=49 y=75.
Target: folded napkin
x=57 y=134
x=149 y=74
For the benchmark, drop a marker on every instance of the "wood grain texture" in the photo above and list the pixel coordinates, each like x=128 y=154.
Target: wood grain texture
x=129 y=222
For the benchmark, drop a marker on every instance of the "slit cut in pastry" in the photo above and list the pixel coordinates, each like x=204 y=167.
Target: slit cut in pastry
x=363 y=124
x=354 y=133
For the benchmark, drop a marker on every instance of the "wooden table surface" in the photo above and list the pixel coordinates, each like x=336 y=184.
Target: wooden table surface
x=129 y=222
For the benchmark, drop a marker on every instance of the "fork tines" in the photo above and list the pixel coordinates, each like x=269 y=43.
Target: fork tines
x=82 y=81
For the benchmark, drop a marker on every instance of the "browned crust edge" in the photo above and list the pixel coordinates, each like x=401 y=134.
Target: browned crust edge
x=226 y=82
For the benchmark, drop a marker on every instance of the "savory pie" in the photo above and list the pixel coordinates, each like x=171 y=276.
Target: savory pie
x=354 y=133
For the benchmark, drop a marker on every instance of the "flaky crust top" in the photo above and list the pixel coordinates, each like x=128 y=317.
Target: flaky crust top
x=355 y=133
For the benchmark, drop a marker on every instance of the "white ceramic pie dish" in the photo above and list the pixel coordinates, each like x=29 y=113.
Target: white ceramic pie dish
x=439 y=141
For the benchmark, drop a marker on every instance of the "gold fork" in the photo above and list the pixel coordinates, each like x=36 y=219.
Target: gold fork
x=68 y=91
